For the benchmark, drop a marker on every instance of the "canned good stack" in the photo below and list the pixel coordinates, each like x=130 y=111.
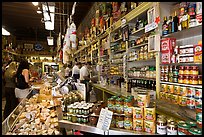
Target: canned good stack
x=182 y=95
x=171 y=127
x=169 y=73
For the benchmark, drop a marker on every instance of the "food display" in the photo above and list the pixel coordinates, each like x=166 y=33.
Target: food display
x=143 y=72
x=38 y=118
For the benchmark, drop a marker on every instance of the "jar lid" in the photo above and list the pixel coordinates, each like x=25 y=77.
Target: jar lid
x=191 y=123
x=195 y=131
x=84 y=116
x=79 y=116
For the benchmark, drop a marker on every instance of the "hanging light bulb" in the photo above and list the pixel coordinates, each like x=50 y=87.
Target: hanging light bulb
x=35 y=3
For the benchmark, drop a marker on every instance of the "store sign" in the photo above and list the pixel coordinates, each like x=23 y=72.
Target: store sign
x=104 y=120
x=150 y=27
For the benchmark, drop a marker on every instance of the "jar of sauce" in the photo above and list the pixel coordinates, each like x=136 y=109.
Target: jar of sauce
x=128 y=107
x=200 y=79
x=194 y=70
x=113 y=121
x=183 y=128
x=166 y=69
x=172 y=128
x=186 y=79
x=181 y=70
x=194 y=80
x=187 y=70
x=111 y=104
x=74 y=118
x=119 y=105
x=161 y=126
x=175 y=79
x=119 y=121
x=181 y=79
x=128 y=122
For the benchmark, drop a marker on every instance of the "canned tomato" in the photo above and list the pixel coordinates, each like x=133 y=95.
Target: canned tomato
x=149 y=126
x=164 y=87
x=172 y=128
x=198 y=102
x=143 y=99
x=176 y=89
x=138 y=112
x=170 y=88
x=161 y=126
x=183 y=91
x=128 y=123
x=149 y=113
x=190 y=92
x=198 y=93
x=182 y=101
x=191 y=103
x=138 y=125
x=175 y=99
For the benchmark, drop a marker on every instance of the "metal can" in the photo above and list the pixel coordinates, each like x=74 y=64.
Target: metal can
x=175 y=79
x=164 y=87
x=199 y=119
x=191 y=103
x=143 y=99
x=198 y=93
x=183 y=91
x=182 y=101
x=128 y=123
x=138 y=112
x=198 y=102
x=161 y=126
x=150 y=113
x=149 y=126
x=172 y=128
x=183 y=128
x=191 y=123
x=190 y=92
x=195 y=131
x=175 y=99
x=138 y=125
x=170 y=88
x=168 y=96
x=176 y=89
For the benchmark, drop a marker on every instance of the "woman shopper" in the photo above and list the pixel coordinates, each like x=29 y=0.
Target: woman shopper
x=10 y=84
x=22 y=80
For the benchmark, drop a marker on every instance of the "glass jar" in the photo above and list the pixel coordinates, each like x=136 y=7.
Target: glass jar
x=194 y=80
x=161 y=125
x=113 y=121
x=172 y=128
x=175 y=71
x=84 y=119
x=119 y=121
x=86 y=110
x=128 y=122
x=186 y=79
x=69 y=117
x=162 y=69
x=97 y=109
x=128 y=107
x=119 y=105
x=194 y=70
x=200 y=79
x=181 y=78
x=175 y=79
x=191 y=123
x=74 y=118
x=166 y=69
x=111 y=104
x=198 y=93
x=183 y=91
x=74 y=109
x=183 y=128
x=79 y=118
x=80 y=110
x=181 y=70
x=195 y=131
x=93 y=120
x=166 y=78
x=187 y=70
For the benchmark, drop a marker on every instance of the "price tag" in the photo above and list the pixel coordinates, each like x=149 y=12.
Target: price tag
x=151 y=26
x=104 y=120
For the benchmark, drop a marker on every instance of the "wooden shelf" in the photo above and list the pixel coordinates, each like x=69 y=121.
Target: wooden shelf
x=138 y=32
x=117 y=40
x=148 y=60
x=181 y=64
x=132 y=77
x=140 y=45
x=179 y=84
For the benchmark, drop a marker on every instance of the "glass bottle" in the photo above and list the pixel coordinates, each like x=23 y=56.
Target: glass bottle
x=165 y=27
x=137 y=24
x=170 y=24
x=185 y=18
x=175 y=23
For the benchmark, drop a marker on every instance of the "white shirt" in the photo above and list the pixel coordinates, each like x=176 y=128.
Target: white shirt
x=84 y=72
x=75 y=70
x=67 y=71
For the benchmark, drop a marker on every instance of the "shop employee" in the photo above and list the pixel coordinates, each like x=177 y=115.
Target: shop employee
x=76 y=70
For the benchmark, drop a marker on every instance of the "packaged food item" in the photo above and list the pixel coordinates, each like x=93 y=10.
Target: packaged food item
x=191 y=123
x=128 y=123
x=138 y=112
x=198 y=102
x=190 y=92
x=113 y=121
x=182 y=100
x=138 y=125
x=161 y=126
x=186 y=49
x=149 y=126
x=119 y=106
x=119 y=121
x=186 y=59
x=186 y=79
x=172 y=128
x=195 y=131
x=164 y=87
x=200 y=79
x=181 y=79
x=191 y=102
x=143 y=99
x=170 y=88
x=194 y=70
x=74 y=118
x=183 y=91
x=150 y=113
x=161 y=95
x=166 y=57
x=167 y=44
x=176 y=89
x=128 y=107
x=175 y=99
x=183 y=128
x=79 y=118
x=199 y=119
x=193 y=80
x=175 y=79
x=198 y=53
x=181 y=70
x=198 y=93
x=111 y=104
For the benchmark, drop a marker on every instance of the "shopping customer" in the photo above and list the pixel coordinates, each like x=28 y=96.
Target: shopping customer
x=68 y=71
x=22 y=80
x=10 y=84
x=76 y=71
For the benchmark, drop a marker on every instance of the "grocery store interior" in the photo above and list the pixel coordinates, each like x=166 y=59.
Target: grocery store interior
x=102 y=68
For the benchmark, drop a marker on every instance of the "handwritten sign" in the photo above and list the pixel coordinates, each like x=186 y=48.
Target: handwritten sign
x=104 y=120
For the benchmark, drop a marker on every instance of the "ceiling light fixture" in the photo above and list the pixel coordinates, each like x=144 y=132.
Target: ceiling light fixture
x=5 y=32
x=50 y=41
x=35 y=3
x=49 y=15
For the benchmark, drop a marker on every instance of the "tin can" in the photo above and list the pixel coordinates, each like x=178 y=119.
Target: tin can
x=195 y=131
x=170 y=88
x=169 y=97
x=166 y=78
x=198 y=93
x=175 y=99
x=183 y=91
x=143 y=99
x=138 y=112
x=182 y=101
x=161 y=126
x=175 y=79
x=138 y=125
x=183 y=128
x=128 y=123
x=176 y=89
x=198 y=102
x=150 y=113
x=199 y=119
x=164 y=87
x=149 y=126
x=191 y=103
x=172 y=128
x=190 y=92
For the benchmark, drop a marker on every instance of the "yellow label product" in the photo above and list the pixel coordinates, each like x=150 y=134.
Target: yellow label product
x=138 y=113
x=143 y=99
x=170 y=88
x=183 y=91
x=138 y=125
x=164 y=87
x=149 y=126
x=149 y=113
x=176 y=89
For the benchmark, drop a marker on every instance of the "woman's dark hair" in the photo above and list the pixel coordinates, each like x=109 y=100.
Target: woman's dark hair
x=23 y=65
